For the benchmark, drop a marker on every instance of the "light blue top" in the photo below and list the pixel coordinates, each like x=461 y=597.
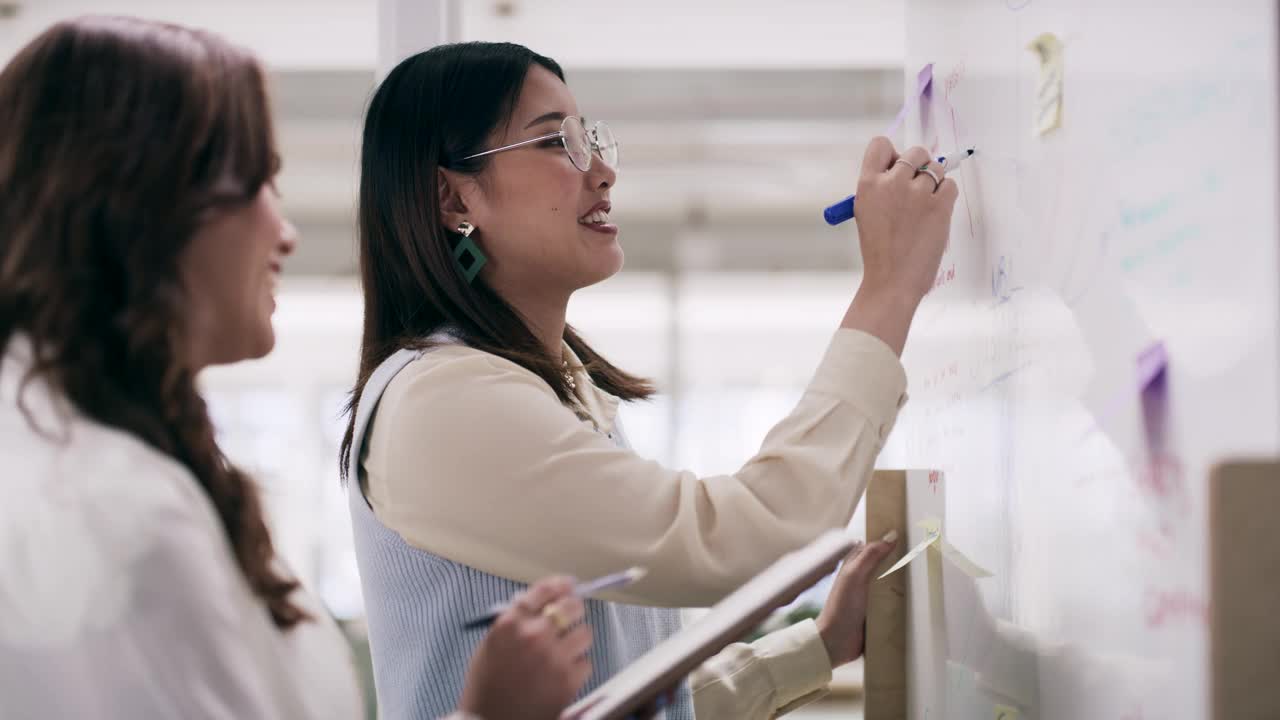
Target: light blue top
x=417 y=602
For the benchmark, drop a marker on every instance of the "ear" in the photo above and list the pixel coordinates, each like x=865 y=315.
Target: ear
x=453 y=206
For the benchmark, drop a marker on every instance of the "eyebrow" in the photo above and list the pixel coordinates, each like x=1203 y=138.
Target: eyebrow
x=553 y=115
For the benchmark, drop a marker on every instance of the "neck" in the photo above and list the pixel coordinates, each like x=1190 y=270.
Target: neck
x=545 y=315
x=199 y=351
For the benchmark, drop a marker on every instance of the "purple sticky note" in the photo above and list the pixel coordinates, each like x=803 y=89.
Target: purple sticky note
x=924 y=81
x=924 y=84
x=1152 y=364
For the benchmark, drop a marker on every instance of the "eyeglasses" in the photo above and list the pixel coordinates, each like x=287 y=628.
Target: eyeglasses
x=578 y=142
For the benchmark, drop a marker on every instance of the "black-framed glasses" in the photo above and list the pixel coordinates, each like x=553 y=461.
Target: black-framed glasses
x=579 y=143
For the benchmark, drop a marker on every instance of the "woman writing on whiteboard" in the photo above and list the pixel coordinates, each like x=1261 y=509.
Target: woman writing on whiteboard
x=485 y=451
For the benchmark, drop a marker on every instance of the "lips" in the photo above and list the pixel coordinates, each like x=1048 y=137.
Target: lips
x=598 y=215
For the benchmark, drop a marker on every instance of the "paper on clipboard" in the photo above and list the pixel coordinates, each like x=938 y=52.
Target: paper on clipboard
x=669 y=662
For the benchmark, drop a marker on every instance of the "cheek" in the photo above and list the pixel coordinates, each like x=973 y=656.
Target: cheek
x=562 y=207
x=555 y=193
x=537 y=211
x=532 y=220
x=227 y=275
x=229 y=279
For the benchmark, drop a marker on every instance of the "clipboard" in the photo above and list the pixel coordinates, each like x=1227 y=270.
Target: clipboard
x=667 y=664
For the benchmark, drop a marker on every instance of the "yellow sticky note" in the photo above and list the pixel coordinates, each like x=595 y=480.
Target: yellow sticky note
x=932 y=533
x=1004 y=712
x=1048 y=100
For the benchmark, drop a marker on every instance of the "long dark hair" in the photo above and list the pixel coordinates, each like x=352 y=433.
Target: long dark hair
x=433 y=109
x=118 y=138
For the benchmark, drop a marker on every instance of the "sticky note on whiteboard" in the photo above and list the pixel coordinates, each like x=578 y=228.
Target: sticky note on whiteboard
x=924 y=85
x=931 y=537
x=934 y=538
x=1048 y=98
x=962 y=561
x=1152 y=363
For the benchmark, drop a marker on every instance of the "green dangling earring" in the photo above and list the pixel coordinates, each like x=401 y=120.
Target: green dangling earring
x=468 y=246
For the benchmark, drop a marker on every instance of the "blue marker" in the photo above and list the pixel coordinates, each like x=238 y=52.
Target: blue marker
x=843 y=210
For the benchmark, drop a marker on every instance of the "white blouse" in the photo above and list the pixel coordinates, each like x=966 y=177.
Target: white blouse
x=119 y=593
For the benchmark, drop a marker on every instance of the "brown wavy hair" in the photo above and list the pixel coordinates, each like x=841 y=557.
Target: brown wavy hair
x=118 y=139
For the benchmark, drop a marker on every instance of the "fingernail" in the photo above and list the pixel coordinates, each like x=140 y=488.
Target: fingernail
x=891 y=536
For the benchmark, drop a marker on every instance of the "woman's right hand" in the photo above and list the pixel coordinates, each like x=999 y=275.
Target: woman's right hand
x=533 y=661
x=903 y=223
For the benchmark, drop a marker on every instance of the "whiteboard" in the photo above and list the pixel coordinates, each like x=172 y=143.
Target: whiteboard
x=1146 y=220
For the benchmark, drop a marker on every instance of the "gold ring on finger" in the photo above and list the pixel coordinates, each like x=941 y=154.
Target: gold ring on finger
x=553 y=613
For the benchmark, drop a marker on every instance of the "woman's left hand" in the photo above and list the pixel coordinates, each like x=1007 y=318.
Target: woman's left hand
x=842 y=623
x=532 y=661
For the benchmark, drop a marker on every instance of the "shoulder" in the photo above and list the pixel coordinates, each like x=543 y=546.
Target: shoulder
x=457 y=377
x=91 y=508
x=463 y=363
x=459 y=403
x=83 y=467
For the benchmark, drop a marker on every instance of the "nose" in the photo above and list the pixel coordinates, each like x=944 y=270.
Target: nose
x=288 y=237
x=600 y=176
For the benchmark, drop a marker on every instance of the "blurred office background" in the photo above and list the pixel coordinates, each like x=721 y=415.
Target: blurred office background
x=738 y=121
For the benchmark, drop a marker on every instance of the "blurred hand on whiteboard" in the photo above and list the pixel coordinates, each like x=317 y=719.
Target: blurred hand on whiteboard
x=904 y=219
x=842 y=623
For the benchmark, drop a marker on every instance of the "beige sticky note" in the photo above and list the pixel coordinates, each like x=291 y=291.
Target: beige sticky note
x=932 y=533
x=1004 y=712
x=961 y=561
x=1048 y=97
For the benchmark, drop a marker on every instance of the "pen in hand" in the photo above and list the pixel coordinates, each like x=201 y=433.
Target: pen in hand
x=583 y=589
x=843 y=210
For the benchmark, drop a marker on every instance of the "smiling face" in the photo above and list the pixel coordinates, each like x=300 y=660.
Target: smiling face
x=543 y=223
x=230 y=271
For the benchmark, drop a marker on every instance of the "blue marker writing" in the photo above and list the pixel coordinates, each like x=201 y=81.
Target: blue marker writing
x=843 y=210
